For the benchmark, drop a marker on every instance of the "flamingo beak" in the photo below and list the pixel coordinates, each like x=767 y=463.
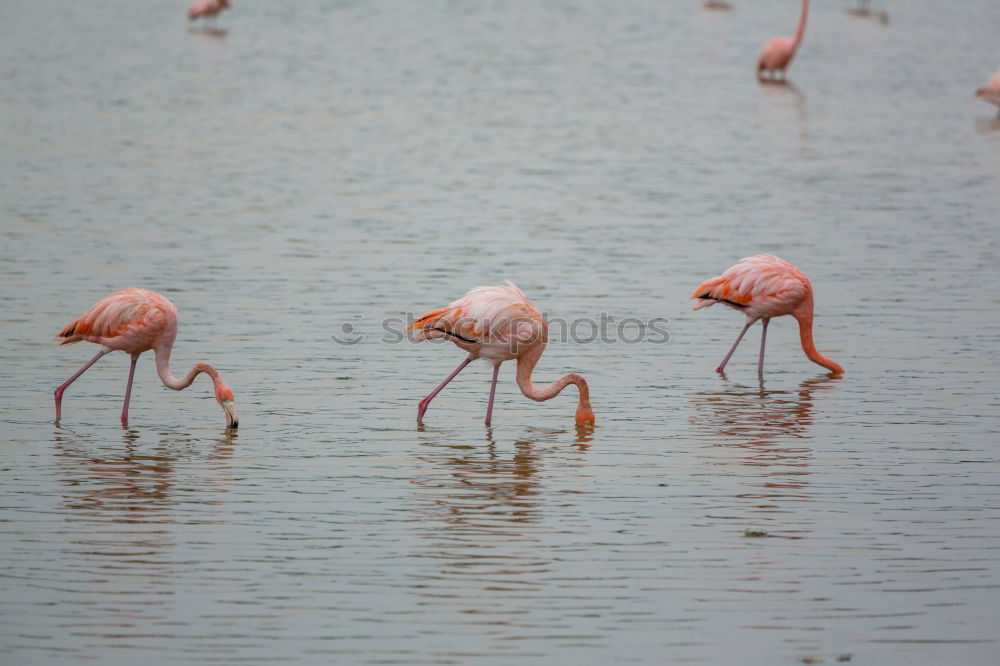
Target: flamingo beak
x=229 y=407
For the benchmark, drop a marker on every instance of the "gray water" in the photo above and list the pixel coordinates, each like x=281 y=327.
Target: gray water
x=314 y=164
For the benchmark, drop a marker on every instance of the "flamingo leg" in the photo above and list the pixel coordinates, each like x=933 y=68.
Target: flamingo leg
x=62 y=387
x=493 y=391
x=763 y=338
x=722 y=366
x=128 y=390
x=422 y=407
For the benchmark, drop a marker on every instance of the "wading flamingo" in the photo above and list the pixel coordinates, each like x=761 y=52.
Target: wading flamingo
x=135 y=321
x=864 y=11
x=763 y=287
x=498 y=324
x=779 y=51
x=991 y=91
x=207 y=8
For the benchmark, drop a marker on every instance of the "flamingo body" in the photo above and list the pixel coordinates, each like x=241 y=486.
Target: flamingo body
x=991 y=91
x=136 y=321
x=762 y=287
x=207 y=8
x=491 y=322
x=131 y=320
x=777 y=52
x=498 y=324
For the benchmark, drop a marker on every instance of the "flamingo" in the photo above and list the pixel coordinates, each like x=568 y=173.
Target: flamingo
x=719 y=5
x=864 y=11
x=779 y=51
x=762 y=287
x=498 y=324
x=135 y=321
x=991 y=91
x=207 y=8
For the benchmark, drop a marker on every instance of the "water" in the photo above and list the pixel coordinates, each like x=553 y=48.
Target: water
x=329 y=163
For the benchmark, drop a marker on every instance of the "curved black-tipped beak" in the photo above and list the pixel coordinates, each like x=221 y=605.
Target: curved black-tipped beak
x=232 y=422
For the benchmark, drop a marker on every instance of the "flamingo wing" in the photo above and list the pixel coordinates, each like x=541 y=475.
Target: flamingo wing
x=498 y=314
x=762 y=278
x=118 y=314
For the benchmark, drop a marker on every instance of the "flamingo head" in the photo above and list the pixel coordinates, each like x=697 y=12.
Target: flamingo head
x=584 y=414
x=224 y=396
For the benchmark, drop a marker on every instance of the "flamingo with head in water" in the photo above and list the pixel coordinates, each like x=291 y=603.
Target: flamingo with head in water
x=136 y=321
x=498 y=324
x=778 y=52
x=763 y=287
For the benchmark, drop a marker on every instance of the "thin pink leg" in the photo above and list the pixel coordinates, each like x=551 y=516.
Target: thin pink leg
x=722 y=366
x=493 y=391
x=128 y=391
x=62 y=387
x=763 y=339
x=422 y=407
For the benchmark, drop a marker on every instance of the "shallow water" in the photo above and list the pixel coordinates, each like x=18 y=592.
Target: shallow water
x=316 y=164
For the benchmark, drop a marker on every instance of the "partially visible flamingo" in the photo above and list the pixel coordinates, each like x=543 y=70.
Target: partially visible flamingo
x=720 y=5
x=207 y=8
x=991 y=91
x=762 y=287
x=498 y=324
x=864 y=11
x=779 y=51
x=135 y=321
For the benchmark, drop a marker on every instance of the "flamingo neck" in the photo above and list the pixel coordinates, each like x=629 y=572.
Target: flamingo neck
x=172 y=382
x=805 y=319
x=526 y=364
x=801 y=30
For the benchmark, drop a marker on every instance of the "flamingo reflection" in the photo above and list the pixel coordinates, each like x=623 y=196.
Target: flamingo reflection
x=480 y=515
x=762 y=438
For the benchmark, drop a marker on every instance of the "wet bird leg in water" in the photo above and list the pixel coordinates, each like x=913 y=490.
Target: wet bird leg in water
x=128 y=389
x=62 y=387
x=422 y=407
x=493 y=390
x=763 y=338
x=722 y=366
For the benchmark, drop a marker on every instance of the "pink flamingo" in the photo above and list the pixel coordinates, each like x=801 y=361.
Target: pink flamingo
x=763 y=287
x=207 y=8
x=135 y=321
x=498 y=324
x=719 y=5
x=991 y=91
x=779 y=51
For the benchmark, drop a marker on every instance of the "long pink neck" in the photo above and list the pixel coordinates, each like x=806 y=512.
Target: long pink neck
x=526 y=364
x=801 y=31
x=805 y=318
x=167 y=377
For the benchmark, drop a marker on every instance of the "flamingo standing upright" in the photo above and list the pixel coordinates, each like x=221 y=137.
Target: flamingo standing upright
x=778 y=52
x=135 y=321
x=498 y=324
x=991 y=91
x=762 y=287
x=207 y=8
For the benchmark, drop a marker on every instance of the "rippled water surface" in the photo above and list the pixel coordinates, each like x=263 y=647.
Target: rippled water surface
x=313 y=164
